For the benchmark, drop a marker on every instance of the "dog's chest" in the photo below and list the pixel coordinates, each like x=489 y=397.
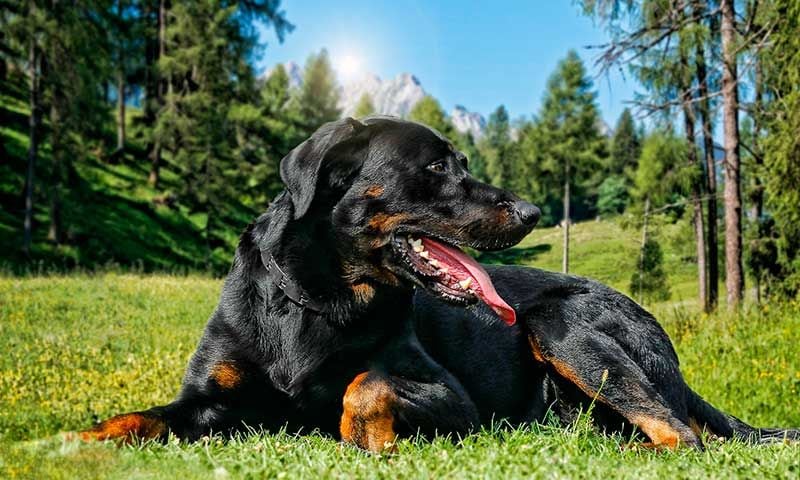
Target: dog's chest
x=313 y=361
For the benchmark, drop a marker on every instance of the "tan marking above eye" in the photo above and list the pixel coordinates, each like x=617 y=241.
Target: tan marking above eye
x=383 y=222
x=374 y=191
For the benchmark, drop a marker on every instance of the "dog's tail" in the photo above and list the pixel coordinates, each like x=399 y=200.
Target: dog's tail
x=727 y=426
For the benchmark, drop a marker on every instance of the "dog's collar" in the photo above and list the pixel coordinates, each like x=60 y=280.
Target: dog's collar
x=290 y=287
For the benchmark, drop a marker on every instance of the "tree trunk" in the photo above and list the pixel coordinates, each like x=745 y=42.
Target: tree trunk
x=121 y=111
x=55 y=234
x=33 y=146
x=155 y=151
x=565 y=259
x=121 y=80
x=642 y=249
x=689 y=121
x=710 y=171
x=757 y=207
x=734 y=280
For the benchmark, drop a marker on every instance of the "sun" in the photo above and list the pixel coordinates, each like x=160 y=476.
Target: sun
x=347 y=66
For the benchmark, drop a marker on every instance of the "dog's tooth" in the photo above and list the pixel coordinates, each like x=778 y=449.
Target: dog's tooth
x=423 y=254
x=434 y=263
x=418 y=248
x=465 y=283
x=444 y=270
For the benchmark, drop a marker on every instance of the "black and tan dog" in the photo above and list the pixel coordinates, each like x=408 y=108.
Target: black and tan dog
x=344 y=311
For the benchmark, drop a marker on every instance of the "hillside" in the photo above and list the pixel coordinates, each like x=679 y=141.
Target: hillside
x=112 y=216
x=607 y=252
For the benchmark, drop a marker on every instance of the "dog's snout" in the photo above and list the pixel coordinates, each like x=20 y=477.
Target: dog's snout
x=528 y=213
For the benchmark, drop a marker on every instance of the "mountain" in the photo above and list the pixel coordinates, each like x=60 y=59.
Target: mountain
x=396 y=96
x=390 y=97
x=468 y=122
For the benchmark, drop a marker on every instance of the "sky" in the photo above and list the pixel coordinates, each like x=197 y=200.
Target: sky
x=477 y=54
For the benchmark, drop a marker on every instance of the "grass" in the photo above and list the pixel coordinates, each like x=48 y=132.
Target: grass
x=82 y=347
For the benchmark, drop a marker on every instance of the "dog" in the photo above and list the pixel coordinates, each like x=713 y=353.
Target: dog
x=351 y=310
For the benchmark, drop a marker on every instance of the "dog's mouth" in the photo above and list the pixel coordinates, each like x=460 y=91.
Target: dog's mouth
x=448 y=272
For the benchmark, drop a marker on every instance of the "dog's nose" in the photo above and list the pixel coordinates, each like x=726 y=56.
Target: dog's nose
x=528 y=213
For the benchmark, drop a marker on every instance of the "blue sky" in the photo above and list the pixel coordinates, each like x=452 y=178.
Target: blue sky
x=475 y=53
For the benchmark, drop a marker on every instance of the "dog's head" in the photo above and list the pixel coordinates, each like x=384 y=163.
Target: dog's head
x=401 y=201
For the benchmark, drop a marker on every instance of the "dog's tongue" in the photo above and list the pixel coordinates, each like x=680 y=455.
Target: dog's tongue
x=461 y=265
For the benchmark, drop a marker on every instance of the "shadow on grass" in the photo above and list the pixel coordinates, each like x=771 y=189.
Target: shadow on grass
x=515 y=255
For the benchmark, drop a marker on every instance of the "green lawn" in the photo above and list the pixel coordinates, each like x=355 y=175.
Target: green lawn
x=78 y=348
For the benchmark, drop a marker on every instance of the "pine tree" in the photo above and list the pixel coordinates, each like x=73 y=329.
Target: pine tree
x=625 y=146
x=494 y=147
x=205 y=121
x=666 y=69
x=734 y=277
x=428 y=112
x=22 y=24
x=477 y=163
x=705 y=36
x=612 y=195
x=624 y=150
x=318 y=97
x=782 y=144
x=155 y=29
x=660 y=171
x=68 y=61
x=365 y=107
x=649 y=281
x=125 y=29
x=570 y=143
x=276 y=132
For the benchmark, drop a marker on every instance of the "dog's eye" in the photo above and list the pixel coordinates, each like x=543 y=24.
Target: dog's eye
x=437 y=166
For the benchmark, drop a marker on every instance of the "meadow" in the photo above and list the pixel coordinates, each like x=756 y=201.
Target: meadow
x=80 y=347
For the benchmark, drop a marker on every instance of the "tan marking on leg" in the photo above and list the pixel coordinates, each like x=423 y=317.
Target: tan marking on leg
x=569 y=374
x=562 y=368
x=227 y=375
x=363 y=292
x=126 y=428
x=367 y=420
x=661 y=434
x=374 y=191
x=536 y=349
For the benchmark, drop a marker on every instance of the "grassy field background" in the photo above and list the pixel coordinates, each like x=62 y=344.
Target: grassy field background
x=81 y=347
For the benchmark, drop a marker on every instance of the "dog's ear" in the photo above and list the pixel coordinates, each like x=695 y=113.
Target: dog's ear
x=324 y=164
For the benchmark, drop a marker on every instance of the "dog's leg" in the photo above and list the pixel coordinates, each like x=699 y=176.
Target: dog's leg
x=219 y=397
x=600 y=368
x=403 y=398
x=370 y=406
x=128 y=427
x=186 y=420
